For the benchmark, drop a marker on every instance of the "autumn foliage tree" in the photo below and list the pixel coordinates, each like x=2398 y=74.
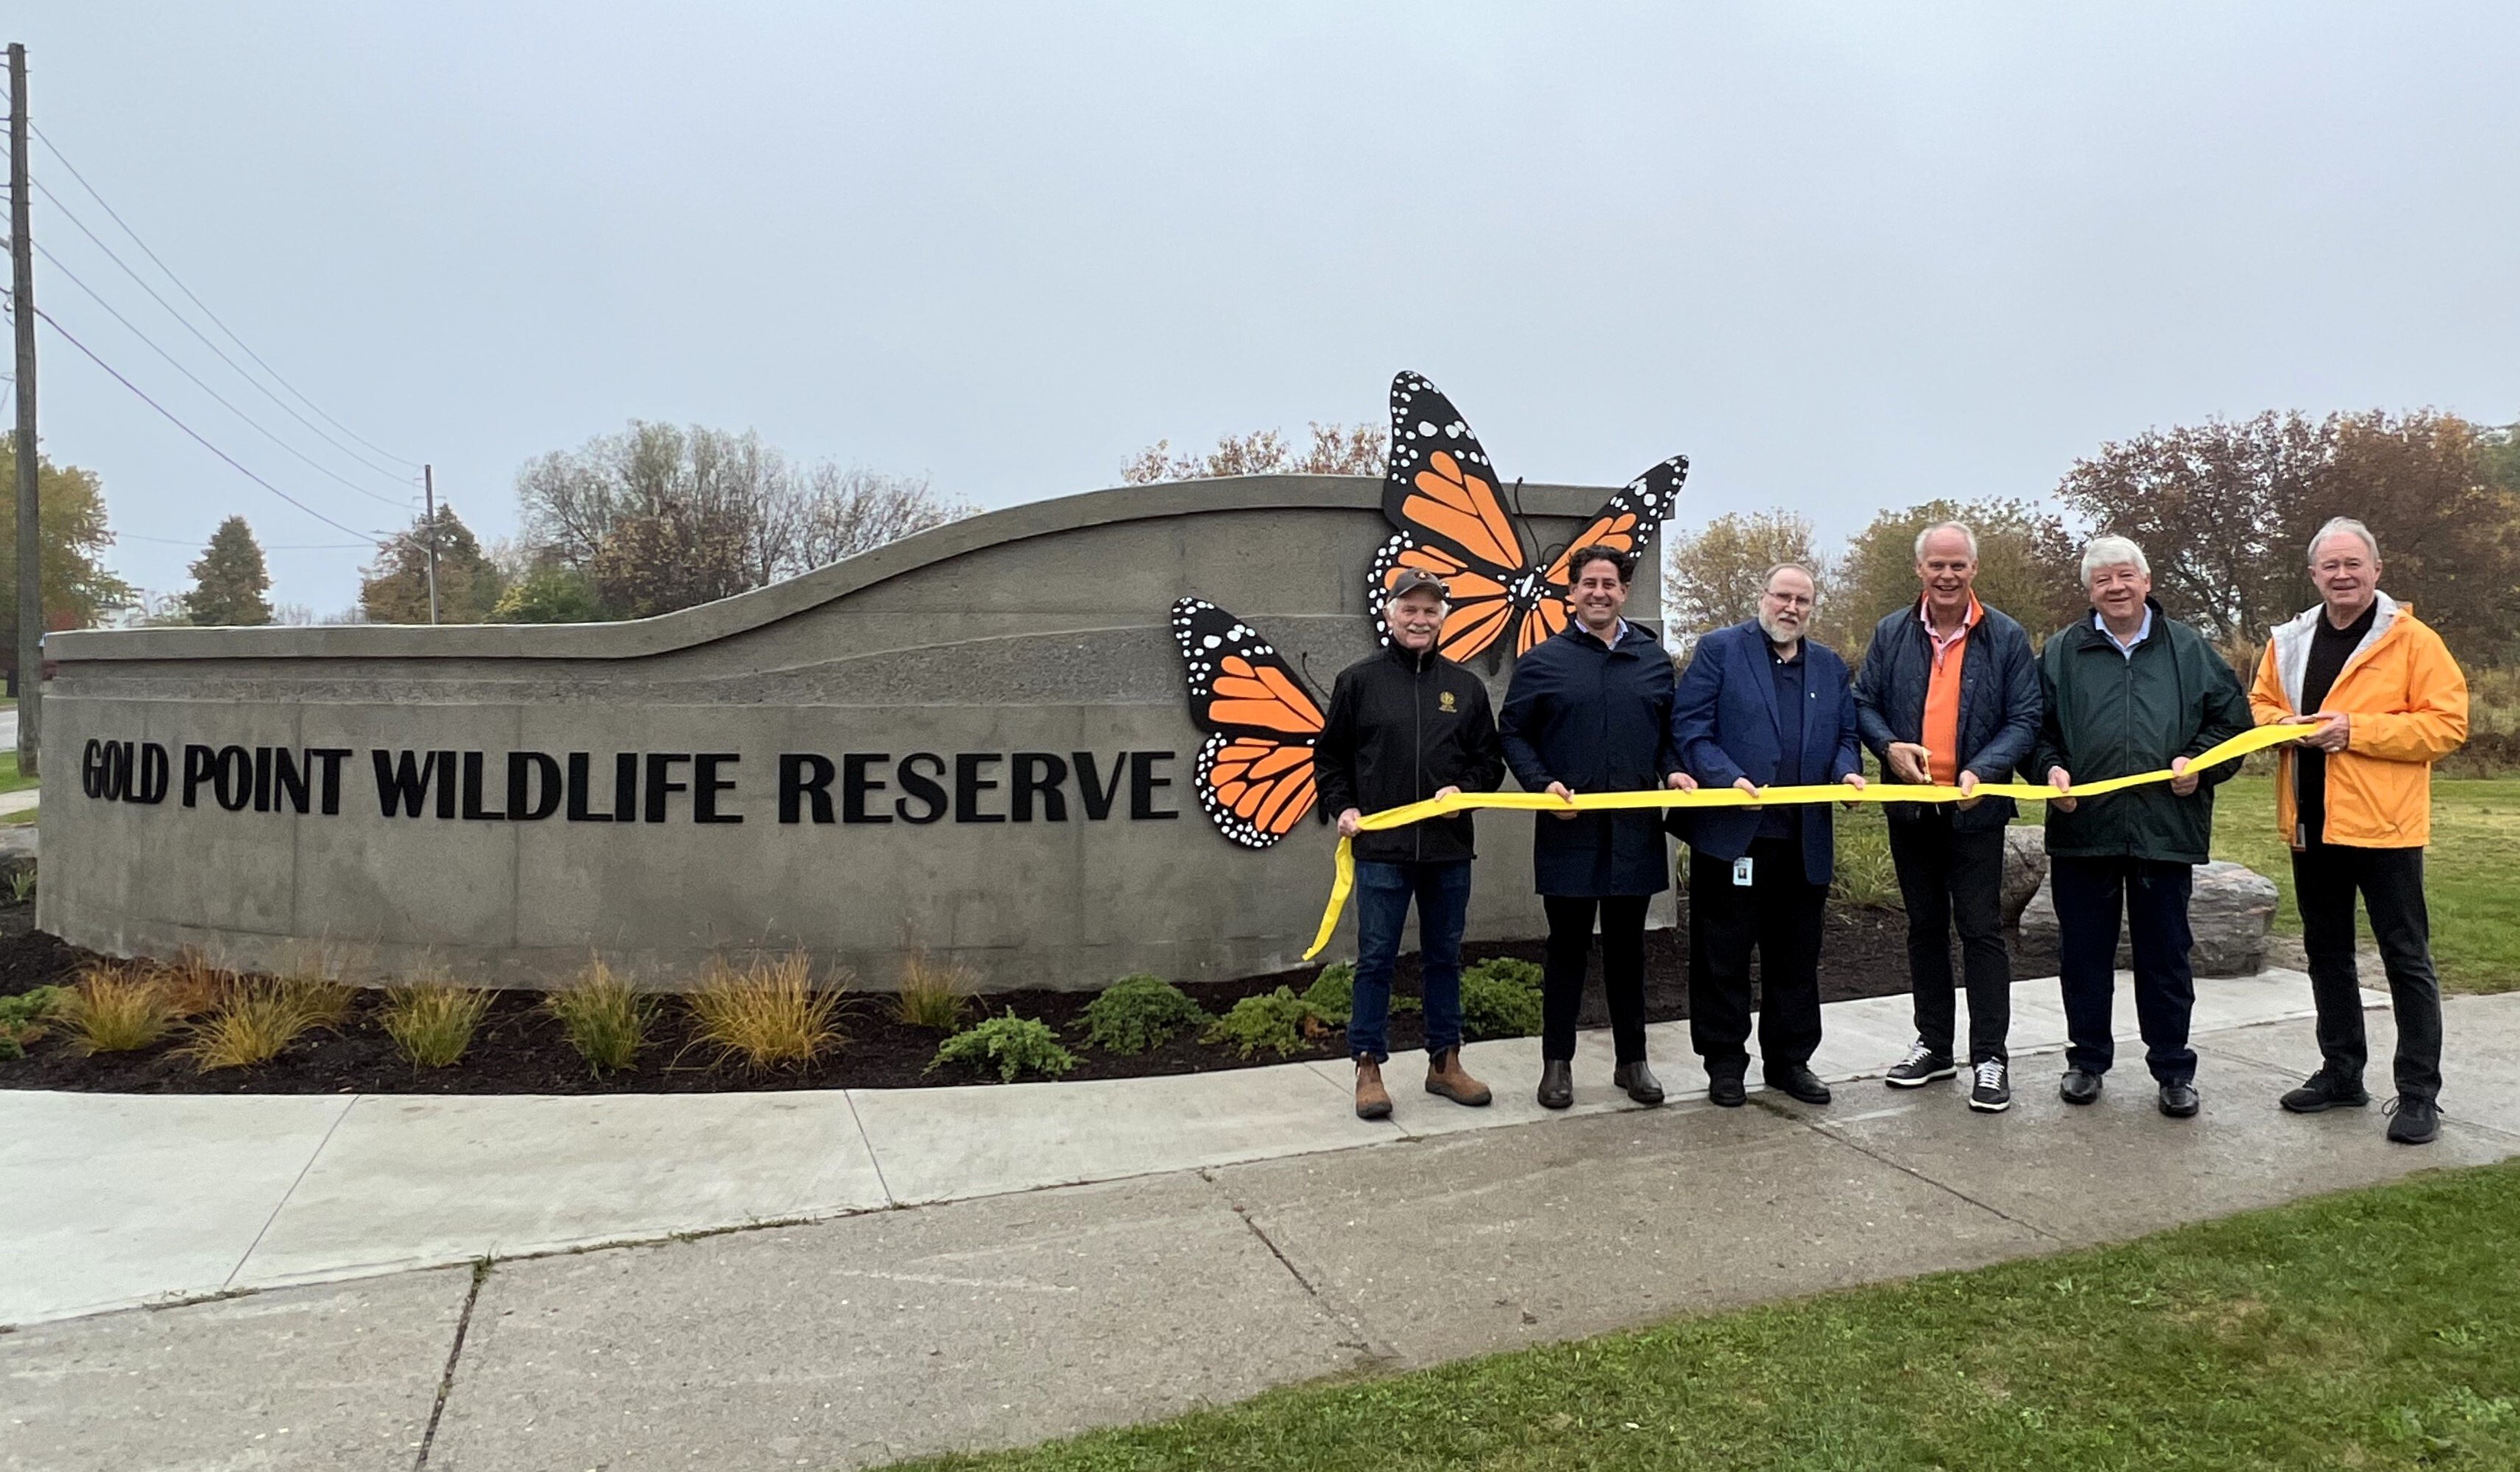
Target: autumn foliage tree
x=394 y=587
x=2028 y=566
x=658 y=517
x=78 y=590
x=2225 y=512
x=1335 y=450
x=1712 y=577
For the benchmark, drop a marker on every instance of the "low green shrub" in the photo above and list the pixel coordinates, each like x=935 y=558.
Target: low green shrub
x=23 y=1018
x=1138 y=1012
x=1331 y=997
x=1500 y=998
x=1010 y=1044
x=1273 y=1020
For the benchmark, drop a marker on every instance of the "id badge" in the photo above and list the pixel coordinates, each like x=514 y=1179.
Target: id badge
x=1741 y=871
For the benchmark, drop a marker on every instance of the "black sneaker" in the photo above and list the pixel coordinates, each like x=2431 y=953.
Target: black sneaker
x=1921 y=1067
x=2413 y=1120
x=2323 y=1091
x=2079 y=1086
x=1991 y=1092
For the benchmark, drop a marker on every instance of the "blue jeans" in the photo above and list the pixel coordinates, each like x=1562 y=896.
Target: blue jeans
x=2092 y=894
x=1383 y=895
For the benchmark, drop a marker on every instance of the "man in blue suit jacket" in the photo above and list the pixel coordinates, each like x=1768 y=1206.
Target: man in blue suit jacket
x=1762 y=706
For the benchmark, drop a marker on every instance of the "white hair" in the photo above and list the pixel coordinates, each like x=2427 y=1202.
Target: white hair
x=2112 y=552
x=2338 y=526
x=1957 y=526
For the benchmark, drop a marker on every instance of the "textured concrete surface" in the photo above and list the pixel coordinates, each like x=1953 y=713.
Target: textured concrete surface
x=506 y=1176
x=885 y=1336
x=1474 y=1243
x=336 y=1379
x=1043 y=627
x=2480 y=1058
x=1007 y=1318
x=412 y=1181
x=110 y=1199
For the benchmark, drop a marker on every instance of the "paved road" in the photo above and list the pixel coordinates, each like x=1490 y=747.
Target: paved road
x=8 y=728
x=1008 y=1318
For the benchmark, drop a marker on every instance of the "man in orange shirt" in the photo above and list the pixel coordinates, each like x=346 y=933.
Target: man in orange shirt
x=2382 y=701
x=1949 y=695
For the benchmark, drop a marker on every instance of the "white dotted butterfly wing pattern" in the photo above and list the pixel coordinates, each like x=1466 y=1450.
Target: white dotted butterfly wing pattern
x=1627 y=523
x=1254 y=775
x=1441 y=493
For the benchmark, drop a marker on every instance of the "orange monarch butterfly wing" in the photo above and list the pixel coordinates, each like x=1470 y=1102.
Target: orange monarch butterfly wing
x=1627 y=521
x=1440 y=492
x=1254 y=775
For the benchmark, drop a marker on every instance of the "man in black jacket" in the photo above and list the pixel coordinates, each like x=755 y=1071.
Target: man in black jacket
x=1405 y=725
x=1948 y=696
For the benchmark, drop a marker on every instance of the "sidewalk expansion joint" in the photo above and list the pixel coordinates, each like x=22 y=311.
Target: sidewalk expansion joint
x=454 y=1352
x=1820 y=1128
x=294 y=1183
x=1363 y=1341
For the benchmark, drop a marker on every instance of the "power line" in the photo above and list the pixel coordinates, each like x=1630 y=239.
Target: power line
x=197 y=435
x=178 y=366
x=133 y=536
x=203 y=338
x=63 y=158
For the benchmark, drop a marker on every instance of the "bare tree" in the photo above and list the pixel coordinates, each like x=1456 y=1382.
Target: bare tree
x=1335 y=450
x=1712 y=578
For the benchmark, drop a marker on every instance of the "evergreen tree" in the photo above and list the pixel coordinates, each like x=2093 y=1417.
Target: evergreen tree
x=394 y=587
x=229 y=580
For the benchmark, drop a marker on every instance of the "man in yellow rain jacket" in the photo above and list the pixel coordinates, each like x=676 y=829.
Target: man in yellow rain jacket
x=2383 y=700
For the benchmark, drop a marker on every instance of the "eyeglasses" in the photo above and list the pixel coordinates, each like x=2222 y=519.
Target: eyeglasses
x=1790 y=600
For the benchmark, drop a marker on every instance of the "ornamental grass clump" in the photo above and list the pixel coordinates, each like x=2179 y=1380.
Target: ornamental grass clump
x=193 y=984
x=116 y=1010
x=254 y=1019
x=1140 y=1013
x=432 y=1021
x=1009 y=1045
x=934 y=994
x=769 y=1014
x=1500 y=998
x=1272 y=1020
x=604 y=1018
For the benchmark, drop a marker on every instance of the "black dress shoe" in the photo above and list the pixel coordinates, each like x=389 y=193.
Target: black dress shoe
x=1639 y=1081
x=1725 y=1088
x=1798 y=1079
x=1556 y=1083
x=2081 y=1087
x=2180 y=1100
x=2321 y=1091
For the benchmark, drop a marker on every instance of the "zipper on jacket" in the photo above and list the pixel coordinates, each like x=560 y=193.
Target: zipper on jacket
x=1417 y=752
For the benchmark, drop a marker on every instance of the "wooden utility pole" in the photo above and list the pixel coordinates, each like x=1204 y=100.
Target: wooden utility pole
x=21 y=299
x=428 y=503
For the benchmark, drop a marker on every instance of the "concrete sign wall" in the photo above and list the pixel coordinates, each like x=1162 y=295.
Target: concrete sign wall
x=975 y=739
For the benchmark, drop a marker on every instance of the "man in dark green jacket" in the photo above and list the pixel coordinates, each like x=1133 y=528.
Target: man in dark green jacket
x=2131 y=690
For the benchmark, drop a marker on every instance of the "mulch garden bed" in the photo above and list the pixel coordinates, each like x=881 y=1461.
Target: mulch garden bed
x=520 y=1048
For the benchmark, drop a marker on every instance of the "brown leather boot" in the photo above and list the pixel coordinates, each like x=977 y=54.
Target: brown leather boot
x=1445 y=1075
x=1373 y=1101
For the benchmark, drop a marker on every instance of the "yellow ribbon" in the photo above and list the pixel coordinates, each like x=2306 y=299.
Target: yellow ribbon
x=2239 y=746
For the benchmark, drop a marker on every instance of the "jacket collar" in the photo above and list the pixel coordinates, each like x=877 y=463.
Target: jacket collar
x=1630 y=636
x=1433 y=658
x=2292 y=640
x=2085 y=630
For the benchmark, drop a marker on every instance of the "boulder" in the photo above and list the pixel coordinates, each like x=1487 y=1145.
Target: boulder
x=2229 y=913
x=2025 y=867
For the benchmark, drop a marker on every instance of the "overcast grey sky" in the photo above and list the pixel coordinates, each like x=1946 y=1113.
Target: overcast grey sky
x=1843 y=256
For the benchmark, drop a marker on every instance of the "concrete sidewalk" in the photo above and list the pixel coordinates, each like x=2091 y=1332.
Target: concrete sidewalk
x=1011 y=1317
x=119 y=1200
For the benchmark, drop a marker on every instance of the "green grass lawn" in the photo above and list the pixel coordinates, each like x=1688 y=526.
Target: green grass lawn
x=2469 y=872
x=10 y=781
x=2374 y=1329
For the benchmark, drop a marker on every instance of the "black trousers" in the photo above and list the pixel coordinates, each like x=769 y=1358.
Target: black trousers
x=2325 y=878
x=2092 y=894
x=1780 y=914
x=1953 y=878
x=1623 y=972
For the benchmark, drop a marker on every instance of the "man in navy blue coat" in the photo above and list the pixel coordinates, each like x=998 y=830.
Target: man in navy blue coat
x=1762 y=706
x=1589 y=710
